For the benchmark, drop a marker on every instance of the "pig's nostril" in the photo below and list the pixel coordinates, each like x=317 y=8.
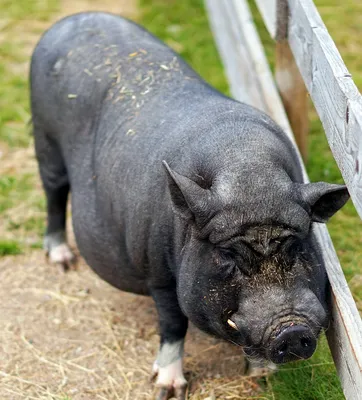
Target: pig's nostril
x=282 y=349
x=293 y=343
x=306 y=342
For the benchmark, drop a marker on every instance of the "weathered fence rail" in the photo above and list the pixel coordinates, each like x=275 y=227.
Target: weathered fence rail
x=306 y=58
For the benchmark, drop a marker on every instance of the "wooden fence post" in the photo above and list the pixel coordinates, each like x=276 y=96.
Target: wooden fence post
x=290 y=82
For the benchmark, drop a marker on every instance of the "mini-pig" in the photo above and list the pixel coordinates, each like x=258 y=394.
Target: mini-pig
x=178 y=192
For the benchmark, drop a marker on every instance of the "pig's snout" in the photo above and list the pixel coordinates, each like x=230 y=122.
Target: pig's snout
x=292 y=343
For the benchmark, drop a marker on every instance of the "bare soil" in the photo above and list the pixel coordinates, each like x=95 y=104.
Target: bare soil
x=72 y=334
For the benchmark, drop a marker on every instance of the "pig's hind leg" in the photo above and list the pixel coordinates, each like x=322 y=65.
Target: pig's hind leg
x=56 y=185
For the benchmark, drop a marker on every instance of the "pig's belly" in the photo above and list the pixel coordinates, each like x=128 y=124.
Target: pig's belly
x=101 y=248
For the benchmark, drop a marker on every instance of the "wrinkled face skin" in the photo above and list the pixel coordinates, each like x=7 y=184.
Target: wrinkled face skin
x=250 y=288
x=249 y=272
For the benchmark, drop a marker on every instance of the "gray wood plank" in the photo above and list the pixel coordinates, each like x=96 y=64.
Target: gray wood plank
x=345 y=334
x=230 y=44
x=244 y=59
x=268 y=10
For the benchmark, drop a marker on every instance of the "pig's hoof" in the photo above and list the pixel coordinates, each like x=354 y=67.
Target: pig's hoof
x=62 y=256
x=170 y=381
x=167 y=393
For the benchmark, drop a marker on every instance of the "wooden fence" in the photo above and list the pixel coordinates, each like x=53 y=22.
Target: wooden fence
x=306 y=59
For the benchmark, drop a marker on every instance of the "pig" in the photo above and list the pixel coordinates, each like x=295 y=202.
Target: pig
x=178 y=192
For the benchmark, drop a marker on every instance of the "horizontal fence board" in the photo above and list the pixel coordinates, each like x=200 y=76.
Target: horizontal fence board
x=345 y=332
x=244 y=59
x=334 y=94
x=234 y=54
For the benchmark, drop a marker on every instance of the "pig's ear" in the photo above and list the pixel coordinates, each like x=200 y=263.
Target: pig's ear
x=324 y=199
x=188 y=198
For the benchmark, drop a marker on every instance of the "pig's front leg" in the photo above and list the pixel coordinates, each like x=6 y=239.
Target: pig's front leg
x=167 y=368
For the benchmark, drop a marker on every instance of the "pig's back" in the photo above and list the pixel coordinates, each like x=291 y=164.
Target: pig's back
x=98 y=65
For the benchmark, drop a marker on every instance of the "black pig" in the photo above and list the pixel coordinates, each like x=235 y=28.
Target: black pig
x=178 y=192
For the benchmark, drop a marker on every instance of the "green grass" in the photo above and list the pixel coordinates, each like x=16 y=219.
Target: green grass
x=185 y=27
x=14 y=108
x=22 y=209
x=28 y=9
x=14 y=189
x=14 y=92
x=10 y=248
x=21 y=206
x=314 y=379
x=27 y=16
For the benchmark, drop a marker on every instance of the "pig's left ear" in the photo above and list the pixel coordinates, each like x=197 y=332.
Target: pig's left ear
x=188 y=198
x=324 y=199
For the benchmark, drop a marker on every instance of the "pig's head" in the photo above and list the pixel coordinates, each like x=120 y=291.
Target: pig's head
x=249 y=271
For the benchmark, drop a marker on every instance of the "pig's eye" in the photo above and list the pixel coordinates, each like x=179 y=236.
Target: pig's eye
x=291 y=245
x=226 y=261
x=234 y=261
x=226 y=254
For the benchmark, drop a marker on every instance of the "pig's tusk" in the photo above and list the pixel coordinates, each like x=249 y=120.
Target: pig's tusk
x=232 y=324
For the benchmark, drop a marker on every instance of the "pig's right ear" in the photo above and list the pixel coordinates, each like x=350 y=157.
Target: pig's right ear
x=188 y=198
x=324 y=199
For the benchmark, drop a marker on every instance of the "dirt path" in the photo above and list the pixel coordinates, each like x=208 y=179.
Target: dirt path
x=71 y=336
